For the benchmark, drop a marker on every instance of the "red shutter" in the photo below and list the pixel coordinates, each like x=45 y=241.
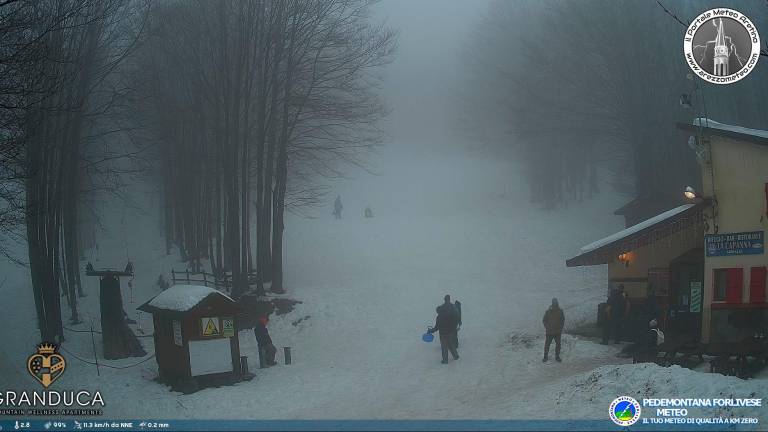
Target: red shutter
x=757 y=285
x=735 y=282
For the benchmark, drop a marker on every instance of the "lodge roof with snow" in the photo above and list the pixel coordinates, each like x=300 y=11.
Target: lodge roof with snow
x=639 y=235
x=184 y=298
x=756 y=136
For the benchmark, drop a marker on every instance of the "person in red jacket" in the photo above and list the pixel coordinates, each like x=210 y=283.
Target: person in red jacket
x=266 y=347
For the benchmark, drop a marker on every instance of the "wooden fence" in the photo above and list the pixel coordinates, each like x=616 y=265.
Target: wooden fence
x=221 y=282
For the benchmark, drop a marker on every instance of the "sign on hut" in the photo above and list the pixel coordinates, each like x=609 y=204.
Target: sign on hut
x=196 y=344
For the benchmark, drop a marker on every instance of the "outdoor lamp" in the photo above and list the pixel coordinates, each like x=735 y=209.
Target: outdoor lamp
x=624 y=258
x=691 y=193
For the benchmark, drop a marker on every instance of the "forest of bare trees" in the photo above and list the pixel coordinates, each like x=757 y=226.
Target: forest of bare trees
x=58 y=89
x=236 y=107
x=247 y=100
x=576 y=90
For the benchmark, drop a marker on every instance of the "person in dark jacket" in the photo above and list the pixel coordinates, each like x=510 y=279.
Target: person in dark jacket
x=457 y=306
x=446 y=323
x=617 y=304
x=652 y=340
x=605 y=320
x=266 y=347
x=650 y=350
x=554 y=320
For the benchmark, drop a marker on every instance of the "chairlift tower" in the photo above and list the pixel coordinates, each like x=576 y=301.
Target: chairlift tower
x=118 y=339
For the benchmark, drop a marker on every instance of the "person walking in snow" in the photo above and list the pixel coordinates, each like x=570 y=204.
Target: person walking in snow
x=266 y=347
x=457 y=306
x=446 y=323
x=337 y=207
x=554 y=320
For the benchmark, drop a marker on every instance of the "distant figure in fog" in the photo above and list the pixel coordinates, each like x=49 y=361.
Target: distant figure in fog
x=266 y=347
x=446 y=323
x=337 y=207
x=554 y=320
x=368 y=212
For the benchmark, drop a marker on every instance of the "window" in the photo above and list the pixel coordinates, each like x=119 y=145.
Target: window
x=721 y=283
x=757 y=285
x=728 y=285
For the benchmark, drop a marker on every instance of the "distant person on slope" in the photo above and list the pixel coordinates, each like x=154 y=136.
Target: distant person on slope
x=368 y=212
x=337 y=207
x=446 y=322
x=554 y=320
x=266 y=347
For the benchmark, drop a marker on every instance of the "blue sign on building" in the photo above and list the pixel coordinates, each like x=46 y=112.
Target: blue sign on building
x=743 y=243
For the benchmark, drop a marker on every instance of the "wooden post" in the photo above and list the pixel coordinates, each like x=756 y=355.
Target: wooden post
x=287 y=355
x=262 y=359
x=205 y=280
x=243 y=365
x=95 y=356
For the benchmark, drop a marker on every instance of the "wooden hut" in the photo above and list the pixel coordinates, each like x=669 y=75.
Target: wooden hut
x=196 y=341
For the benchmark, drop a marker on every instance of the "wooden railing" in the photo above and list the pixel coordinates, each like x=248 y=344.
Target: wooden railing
x=221 y=282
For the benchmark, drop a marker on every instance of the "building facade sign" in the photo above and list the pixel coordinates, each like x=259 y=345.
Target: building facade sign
x=743 y=243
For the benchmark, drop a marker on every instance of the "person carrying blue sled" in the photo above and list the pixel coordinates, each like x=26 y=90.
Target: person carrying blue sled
x=446 y=324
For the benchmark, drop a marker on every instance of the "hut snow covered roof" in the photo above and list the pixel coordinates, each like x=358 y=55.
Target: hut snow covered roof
x=183 y=298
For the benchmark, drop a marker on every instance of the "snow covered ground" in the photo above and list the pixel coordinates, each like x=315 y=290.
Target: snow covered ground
x=444 y=223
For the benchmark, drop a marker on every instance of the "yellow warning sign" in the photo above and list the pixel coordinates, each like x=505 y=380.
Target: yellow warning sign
x=210 y=326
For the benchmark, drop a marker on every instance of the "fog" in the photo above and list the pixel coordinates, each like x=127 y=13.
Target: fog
x=420 y=85
x=338 y=167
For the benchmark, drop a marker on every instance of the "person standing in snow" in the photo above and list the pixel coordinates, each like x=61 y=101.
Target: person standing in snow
x=653 y=338
x=554 y=320
x=606 y=320
x=617 y=304
x=446 y=323
x=457 y=306
x=654 y=334
x=266 y=347
x=337 y=207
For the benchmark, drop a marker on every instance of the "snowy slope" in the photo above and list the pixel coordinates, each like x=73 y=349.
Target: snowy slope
x=444 y=223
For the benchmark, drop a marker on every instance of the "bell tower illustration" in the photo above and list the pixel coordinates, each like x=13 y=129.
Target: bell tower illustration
x=721 y=52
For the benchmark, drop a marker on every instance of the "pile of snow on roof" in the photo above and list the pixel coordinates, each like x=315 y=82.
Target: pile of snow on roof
x=182 y=298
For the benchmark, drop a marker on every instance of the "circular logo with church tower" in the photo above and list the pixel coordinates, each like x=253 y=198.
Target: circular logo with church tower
x=722 y=46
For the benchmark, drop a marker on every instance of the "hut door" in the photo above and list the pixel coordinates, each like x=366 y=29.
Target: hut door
x=686 y=299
